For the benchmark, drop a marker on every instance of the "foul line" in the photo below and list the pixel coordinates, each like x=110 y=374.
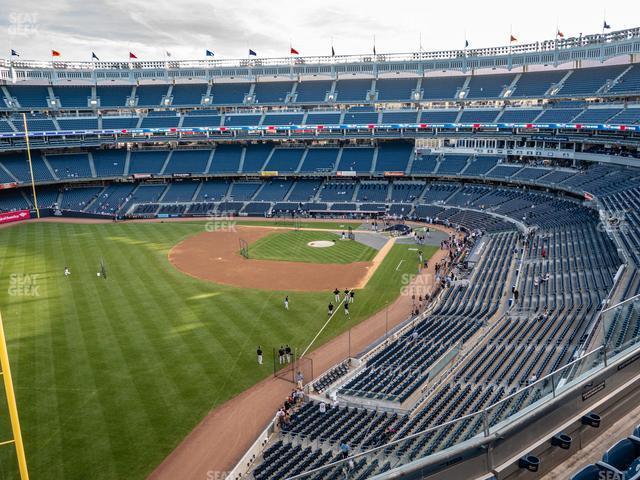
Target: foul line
x=399 y=264
x=323 y=327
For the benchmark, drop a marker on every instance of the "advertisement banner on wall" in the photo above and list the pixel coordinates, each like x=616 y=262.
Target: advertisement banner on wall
x=14 y=216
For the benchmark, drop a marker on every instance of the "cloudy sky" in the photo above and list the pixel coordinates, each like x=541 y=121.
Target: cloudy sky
x=112 y=28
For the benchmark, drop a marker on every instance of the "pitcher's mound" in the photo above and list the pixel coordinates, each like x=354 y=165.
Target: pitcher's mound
x=321 y=243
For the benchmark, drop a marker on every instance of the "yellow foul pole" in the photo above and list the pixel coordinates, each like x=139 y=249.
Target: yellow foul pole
x=11 y=403
x=33 y=183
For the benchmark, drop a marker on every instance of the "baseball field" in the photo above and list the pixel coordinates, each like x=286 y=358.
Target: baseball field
x=111 y=374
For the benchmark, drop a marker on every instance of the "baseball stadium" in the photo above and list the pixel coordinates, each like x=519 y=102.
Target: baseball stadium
x=375 y=265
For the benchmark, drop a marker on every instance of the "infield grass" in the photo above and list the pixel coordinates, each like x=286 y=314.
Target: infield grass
x=292 y=246
x=111 y=375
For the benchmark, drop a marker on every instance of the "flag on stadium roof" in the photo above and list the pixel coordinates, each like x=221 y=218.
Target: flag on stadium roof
x=94 y=56
x=605 y=25
x=294 y=51
x=252 y=53
x=512 y=38
x=167 y=53
x=14 y=53
x=209 y=53
x=55 y=53
x=132 y=55
x=560 y=34
x=333 y=52
x=466 y=43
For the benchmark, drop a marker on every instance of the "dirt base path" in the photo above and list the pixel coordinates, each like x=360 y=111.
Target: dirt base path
x=227 y=432
x=215 y=256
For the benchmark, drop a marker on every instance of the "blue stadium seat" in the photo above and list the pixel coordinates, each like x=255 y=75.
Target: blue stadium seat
x=188 y=93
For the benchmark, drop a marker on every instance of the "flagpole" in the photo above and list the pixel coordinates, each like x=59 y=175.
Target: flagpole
x=33 y=183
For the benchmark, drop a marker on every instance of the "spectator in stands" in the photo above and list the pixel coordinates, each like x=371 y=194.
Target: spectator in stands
x=259 y=353
x=323 y=407
x=344 y=449
x=299 y=379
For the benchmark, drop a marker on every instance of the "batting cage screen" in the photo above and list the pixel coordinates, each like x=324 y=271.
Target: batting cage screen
x=289 y=368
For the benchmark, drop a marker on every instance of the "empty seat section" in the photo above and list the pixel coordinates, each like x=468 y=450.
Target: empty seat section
x=229 y=93
x=212 y=190
x=396 y=89
x=109 y=163
x=283 y=119
x=285 y=160
x=180 y=191
x=438 y=116
x=536 y=84
x=393 y=157
x=628 y=83
x=187 y=161
x=242 y=191
x=160 y=120
x=255 y=157
x=478 y=116
x=272 y=92
x=30 y=96
x=304 y=190
x=324 y=118
x=113 y=96
x=314 y=91
x=489 y=86
x=353 y=90
x=400 y=117
x=188 y=94
x=81 y=123
x=70 y=165
x=319 y=160
x=337 y=191
x=241 y=120
x=195 y=119
x=558 y=115
x=363 y=118
x=72 y=96
x=151 y=95
x=147 y=161
x=519 y=115
x=273 y=191
x=452 y=164
x=424 y=164
x=119 y=123
x=481 y=165
x=356 y=159
x=589 y=81
x=226 y=159
x=441 y=88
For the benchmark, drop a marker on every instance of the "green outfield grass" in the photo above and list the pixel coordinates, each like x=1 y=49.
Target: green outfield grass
x=292 y=246
x=111 y=375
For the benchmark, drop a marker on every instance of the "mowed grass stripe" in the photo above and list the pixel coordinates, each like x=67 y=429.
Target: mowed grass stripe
x=126 y=367
x=292 y=246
